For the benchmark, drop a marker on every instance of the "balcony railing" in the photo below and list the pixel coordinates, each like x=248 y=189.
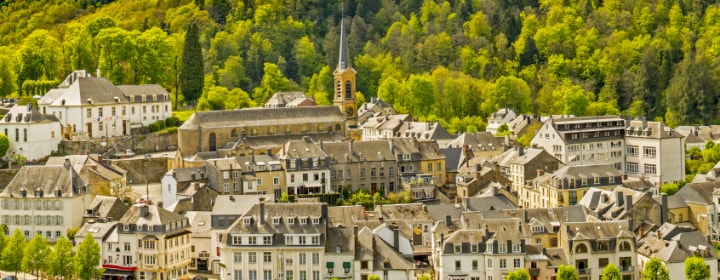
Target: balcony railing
x=624 y=269
x=583 y=271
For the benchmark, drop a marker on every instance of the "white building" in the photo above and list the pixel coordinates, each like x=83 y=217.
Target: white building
x=44 y=200
x=92 y=107
x=306 y=167
x=672 y=245
x=584 y=140
x=654 y=152
x=502 y=116
x=32 y=135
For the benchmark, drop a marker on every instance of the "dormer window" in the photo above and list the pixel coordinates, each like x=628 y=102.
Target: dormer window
x=516 y=248
x=316 y=220
x=126 y=227
x=290 y=220
x=303 y=220
x=458 y=248
x=489 y=248
x=538 y=228
x=247 y=220
x=138 y=227
x=474 y=248
x=276 y=220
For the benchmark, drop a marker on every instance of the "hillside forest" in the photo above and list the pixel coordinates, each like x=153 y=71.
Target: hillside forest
x=453 y=61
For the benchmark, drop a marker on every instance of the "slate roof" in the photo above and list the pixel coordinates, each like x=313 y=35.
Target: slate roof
x=656 y=130
x=97 y=230
x=155 y=216
x=186 y=174
x=26 y=114
x=108 y=206
x=305 y=148
x=263 y=117
x=237 y=204
x=91 y=164
x=477 y=141
x=696 y=192
x=674 y=245
x=454 y=159
x=597 y=230
x=200 y=224
x=46 y=178
x=148 y=90
x=285 y=211
x=587 y=171
x=369 y=150
x=382 y=254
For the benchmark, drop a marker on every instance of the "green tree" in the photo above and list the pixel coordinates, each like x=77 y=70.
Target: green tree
x=61 y=261
x=373 y=277
x=507 y=92
x=191 y=73
x=611 y=272
x=696 y=269
x=35 y=255
x=567 y=272
x=4 y=144
x=272 y=82
x=284 y=197
x=12 y=254
x=3 y=240
x=87 y=259
x=518 y=274
x=361 y=197
x=655 y=270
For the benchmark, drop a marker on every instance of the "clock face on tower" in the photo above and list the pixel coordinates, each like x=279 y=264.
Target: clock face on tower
x=349 y=110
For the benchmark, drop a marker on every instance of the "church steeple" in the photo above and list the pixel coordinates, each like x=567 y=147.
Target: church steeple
x=344 y=59
x=344 y=80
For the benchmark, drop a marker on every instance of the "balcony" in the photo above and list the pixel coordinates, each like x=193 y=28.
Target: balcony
x=583 y=271
x=626 y=269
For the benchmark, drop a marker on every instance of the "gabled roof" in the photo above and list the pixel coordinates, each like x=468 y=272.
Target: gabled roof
x=305 y=148
x=46 y=178
x=262 y=117
x=26 y=114
x=368 y=150
x=674 y=245
x=477 y=141
x=237 y=204
x=265 y=225
x=147 y=90
x=188 y=174
x=383 y=255
x=200 y=223
x=108 y=206
x=593 y=230
x=587 y=171
x=698 y=192
x=155 y=216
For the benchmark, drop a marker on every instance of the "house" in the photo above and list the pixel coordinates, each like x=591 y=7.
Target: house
x=590 y=246
x=289 y=99
x=362 y=165
x=45 y=200
x=262 y=174
x=31 y=134
x=155 y=243
x=375 y=108
x=92 y=107
x=673 y=245
x=105 y=234
x=105 y=208
x=383 y=126
x=497 y=119
x=584 y=140
x=307 y=167
x=101 y=176
x=654 y=152
x=642 y=210
x=275 y=239
x=693 y=206
x=567 y=185
x=699 y=135
x=482 y=144
x=340 y=245
x=177 y=182
x=201 y=240
x=522 y=165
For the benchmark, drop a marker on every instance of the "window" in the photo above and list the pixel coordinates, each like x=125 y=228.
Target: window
x=252 y=240
x=631 y=167
x=649 y=152
x=315 y=240
x=303 y=258
x=316 y=275
x=226 y=187
x=252 y=275
x=276 y=181
x=316 y=220
x=267 y=257
x=276 y=220
x=502 y=248
x=252 y=257
x=362 y=172
x=516 y=248
x=315 y=258
x=573 y=197
x=632 y=150
x=237 y=257
x=127 y=246
x=489 y=248
x=267 y=240
x=474 y=265
x=89 y=112
x=596 y=180
x=237 y=275
x=458 y=265
x=650 y=168
x=516 y=263
x=259 y=182
x=236 y=186
x=429 y=166
x=267 y=274
x=373 y=172
x=503 y=263
x=490 y=264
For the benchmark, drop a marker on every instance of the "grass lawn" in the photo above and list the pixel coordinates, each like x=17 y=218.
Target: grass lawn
x=183 y=115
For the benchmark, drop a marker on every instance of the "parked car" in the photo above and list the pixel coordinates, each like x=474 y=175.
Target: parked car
x=124 y=154
x=171 y=148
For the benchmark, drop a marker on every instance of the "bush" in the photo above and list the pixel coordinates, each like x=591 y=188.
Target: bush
x=157 y=126
x=172 y=121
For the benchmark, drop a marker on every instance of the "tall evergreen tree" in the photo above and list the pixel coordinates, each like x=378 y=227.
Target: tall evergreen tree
x=191 y=75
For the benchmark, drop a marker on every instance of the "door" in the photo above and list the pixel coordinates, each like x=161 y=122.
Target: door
x=211 y=142
x=124 y=124
x=89 y=129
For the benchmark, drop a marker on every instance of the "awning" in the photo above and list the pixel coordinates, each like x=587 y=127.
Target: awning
x=118 y=273
x=312 y=184
x=330 y=265
x=346 y=264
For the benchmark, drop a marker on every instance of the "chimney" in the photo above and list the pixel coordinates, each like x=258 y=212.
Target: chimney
x=466 y=201
x=144 y=210
x=448 y=220
x=262 y=211
x=618 y=198
x=66 y=164
x=628 y=203
x=396 y=238
x=521 y=150
x=355 y=235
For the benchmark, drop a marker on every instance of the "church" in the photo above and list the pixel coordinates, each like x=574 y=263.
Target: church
x=266 y=130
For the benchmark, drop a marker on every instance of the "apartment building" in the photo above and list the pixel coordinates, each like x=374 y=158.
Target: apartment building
x=654 y=152
x=584 y=140
x=362 y=165
x=567 y=185
x=307 y=167
x=276 y=240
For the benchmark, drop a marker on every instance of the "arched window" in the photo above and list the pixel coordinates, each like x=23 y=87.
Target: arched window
x=338 y=89
x=581 y=248
x=211 y=142
x=233 y=133
x=303 y=128
x=348 y=90
x=253 y=131
x=271 y=130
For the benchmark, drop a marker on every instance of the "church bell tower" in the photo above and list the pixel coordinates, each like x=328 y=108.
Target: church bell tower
x=344 y=83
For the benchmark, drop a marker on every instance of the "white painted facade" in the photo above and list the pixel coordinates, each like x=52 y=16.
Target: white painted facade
x=657 y=156
x=32 y=135
x=48 y=215
x=502 y=116
x=168 y=184
x=92 y=107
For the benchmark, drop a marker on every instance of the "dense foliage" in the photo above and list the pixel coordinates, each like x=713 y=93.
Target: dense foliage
x=455 y=61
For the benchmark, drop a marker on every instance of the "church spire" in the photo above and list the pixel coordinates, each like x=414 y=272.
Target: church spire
x=344 y=59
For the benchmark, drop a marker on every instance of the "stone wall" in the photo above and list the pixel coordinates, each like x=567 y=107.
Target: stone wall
x=140 y=144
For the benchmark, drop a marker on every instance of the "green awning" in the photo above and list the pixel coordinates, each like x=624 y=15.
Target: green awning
x=346 y=264
x=330 y=264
